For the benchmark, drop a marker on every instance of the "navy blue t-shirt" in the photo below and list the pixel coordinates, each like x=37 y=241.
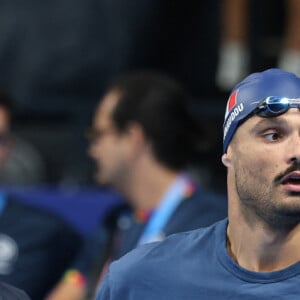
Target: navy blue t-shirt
x=194 y=265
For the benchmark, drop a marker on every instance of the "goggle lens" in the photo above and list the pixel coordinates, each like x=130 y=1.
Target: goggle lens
x=274 y=106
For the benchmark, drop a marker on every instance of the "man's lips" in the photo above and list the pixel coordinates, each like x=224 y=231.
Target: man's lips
x=293 y=177
x=291 y=181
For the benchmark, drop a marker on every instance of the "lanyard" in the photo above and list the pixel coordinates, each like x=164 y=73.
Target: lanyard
x=170 y=201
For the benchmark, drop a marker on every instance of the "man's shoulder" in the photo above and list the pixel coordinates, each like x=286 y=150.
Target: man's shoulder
x=16 y=205
x=163 y=255
x=168 y=265
x=31 y=213
x=39 y=221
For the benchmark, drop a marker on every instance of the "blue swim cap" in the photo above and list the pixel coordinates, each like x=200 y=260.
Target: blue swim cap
x=246 y=95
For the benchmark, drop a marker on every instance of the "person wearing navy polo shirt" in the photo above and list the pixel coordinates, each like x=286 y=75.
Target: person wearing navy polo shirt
x=143 y=139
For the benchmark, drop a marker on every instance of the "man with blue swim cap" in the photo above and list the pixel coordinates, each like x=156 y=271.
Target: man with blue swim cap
x=254 y=88
x=255 y=252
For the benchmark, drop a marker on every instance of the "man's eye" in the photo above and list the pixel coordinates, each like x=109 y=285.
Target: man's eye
x=272 y=136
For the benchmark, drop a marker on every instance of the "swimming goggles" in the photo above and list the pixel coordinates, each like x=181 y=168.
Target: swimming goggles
x=273 y=106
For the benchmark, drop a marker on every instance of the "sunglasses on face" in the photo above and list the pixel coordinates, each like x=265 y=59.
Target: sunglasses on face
x=273 y=106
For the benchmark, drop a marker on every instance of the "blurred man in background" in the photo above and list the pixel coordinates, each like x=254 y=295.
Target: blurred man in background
x=35 y=246
x=143 y=139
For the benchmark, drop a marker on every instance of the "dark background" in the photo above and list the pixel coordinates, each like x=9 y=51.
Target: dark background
x=57 y=56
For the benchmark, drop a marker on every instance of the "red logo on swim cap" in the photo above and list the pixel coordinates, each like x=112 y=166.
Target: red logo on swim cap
x=231 y=102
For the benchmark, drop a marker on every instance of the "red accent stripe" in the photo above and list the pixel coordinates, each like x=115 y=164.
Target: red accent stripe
x=232 y=100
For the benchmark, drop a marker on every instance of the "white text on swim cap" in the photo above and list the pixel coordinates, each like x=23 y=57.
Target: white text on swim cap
x=233 y=115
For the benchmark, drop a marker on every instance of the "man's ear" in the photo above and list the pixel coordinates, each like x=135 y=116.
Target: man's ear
x=135 y=133
x=226 y=158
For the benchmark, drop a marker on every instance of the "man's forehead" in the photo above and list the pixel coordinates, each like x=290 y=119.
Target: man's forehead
x=105 y=108
x=109 y=101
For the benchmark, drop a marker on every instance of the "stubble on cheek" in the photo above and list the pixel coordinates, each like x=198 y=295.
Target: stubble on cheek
x=253 y=183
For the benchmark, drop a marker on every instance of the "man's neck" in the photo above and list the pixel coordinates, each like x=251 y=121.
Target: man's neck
x=260 y=248
x=149 y=186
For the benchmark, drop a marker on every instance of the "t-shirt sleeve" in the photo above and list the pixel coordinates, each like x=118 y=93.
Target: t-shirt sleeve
x=104 y=290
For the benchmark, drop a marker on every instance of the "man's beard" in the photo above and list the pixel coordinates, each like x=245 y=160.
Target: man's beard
x=259 y=202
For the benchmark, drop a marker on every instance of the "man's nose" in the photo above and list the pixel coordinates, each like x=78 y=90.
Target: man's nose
x=294 y=151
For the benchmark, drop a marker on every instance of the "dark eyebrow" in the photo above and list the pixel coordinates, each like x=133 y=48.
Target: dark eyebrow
x=271 y=122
